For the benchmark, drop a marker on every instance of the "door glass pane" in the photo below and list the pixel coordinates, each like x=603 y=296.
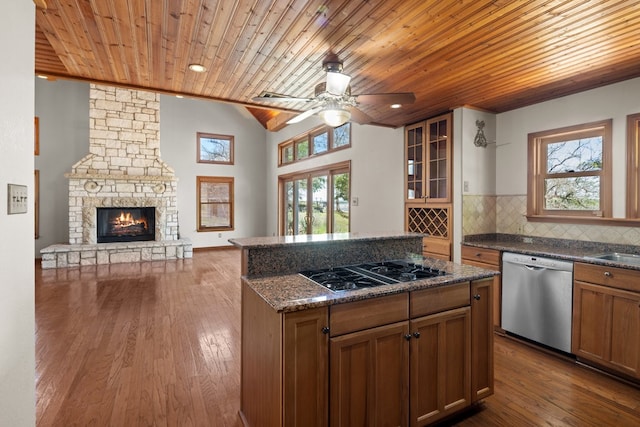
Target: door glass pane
x=301 y=219
x=318 y=212
x=341 y=203
x=290 y=217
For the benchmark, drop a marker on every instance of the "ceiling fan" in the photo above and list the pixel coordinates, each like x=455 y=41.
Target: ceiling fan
x=333 y=100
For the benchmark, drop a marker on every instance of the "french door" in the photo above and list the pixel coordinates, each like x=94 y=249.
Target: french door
x=315 y=201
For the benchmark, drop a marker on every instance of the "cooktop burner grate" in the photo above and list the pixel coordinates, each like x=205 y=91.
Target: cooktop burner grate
x=369 y=275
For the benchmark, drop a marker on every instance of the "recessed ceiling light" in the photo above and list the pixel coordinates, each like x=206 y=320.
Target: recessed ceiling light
x=42 y=76
x=179 y=96
x=396 y=105
x=198 y=68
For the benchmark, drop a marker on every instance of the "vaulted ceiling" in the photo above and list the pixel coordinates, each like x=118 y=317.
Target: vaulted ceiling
x=495 y=55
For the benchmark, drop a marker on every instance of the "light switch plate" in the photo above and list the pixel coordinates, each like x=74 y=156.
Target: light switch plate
x=16 y=199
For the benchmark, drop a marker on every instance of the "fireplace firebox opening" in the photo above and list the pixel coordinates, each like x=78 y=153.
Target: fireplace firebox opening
x=135 y=224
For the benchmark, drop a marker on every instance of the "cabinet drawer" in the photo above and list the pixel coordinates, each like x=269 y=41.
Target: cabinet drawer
x=435 y=300
x=359 y=315
x=436 y=246
x=488 y=256
x=619 y=278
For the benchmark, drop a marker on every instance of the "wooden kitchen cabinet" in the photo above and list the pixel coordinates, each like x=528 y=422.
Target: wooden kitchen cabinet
x=428 y=183
x=606 y=317
x=406 y=359
x=369 y=362
x=482 y=321
x=489 y=259
x=370 y=377
x=284 y=375
x=440 y=365
x=306 y=368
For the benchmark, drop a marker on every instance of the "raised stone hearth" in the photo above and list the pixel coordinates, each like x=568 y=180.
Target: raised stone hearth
x=123 y=169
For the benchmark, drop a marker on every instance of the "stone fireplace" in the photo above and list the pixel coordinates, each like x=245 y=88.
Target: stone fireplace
x=122 y=170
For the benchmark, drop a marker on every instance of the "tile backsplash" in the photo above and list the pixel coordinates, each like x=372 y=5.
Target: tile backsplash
x=506 y=214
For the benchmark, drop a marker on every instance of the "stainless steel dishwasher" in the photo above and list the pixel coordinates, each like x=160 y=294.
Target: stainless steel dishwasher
x=537 y=299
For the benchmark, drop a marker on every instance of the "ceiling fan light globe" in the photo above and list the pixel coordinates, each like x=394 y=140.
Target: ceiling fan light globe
x=335 y=117
x=337 y=83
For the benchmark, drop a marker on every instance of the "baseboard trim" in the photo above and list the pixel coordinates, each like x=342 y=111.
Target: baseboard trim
x=214 y=248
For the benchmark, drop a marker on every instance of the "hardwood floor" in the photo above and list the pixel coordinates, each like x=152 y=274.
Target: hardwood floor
x=159 y=344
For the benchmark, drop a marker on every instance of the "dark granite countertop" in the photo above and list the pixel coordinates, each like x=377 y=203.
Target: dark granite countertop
x=314 y=239
x=570 y=250
x=294 y=292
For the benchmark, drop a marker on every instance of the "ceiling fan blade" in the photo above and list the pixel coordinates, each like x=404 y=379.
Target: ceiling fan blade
x=337 y=83
x=300 y=117
x=360 y=116
x=386 y=98
x=275 y=97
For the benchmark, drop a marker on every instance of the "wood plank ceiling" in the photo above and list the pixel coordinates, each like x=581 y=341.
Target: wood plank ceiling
x=491 y=54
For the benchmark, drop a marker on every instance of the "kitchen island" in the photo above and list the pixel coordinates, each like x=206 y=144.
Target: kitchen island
x=407 y=353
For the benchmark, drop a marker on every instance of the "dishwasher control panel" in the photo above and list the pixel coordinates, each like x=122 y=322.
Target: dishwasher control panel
x=536 y=261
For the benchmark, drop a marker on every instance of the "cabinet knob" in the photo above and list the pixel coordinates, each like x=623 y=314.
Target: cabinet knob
x=416 y=334
x=407 y=337
x=476 y=297
x=608 y=274
x=478 y=254
x=325 y=330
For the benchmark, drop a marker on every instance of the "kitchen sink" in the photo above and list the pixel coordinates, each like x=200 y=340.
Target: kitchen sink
x=618 y=257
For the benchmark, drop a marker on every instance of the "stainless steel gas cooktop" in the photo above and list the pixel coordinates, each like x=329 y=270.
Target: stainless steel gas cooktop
x=368 y=275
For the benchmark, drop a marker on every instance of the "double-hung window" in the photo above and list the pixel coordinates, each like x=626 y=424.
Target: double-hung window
x=215 y=203
x=570 y=172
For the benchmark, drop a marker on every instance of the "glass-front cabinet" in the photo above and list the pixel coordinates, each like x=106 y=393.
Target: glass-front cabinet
x=428 y=161
x=428 y=183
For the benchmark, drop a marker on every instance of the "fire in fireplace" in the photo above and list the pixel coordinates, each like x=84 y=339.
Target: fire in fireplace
x=126 y=224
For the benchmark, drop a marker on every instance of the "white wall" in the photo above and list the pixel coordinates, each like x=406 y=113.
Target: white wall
x=478 y=163
x=180 y=120
x=376 y=156
x=614 y=101
x=17 y=351
x=63 y=110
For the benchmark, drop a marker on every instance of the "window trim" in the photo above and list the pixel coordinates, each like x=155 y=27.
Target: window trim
x=215 y=179
x=535 y=174
x=308 y=136
x=633 y=166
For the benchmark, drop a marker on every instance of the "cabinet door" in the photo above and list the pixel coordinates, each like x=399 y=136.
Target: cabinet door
x=438 y=159
x=414 y=163
x=370 y=377
x=489 y=259
x=306 y=368
x=606 y=327
x=481 y=338
x=440 y=365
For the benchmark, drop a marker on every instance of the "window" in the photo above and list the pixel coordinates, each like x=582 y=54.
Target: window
x=215 y=148
x=570 y=172
x=315 y=201
x=215 y=203
x=342 y=135
x=319 y=141
x=302 y=148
